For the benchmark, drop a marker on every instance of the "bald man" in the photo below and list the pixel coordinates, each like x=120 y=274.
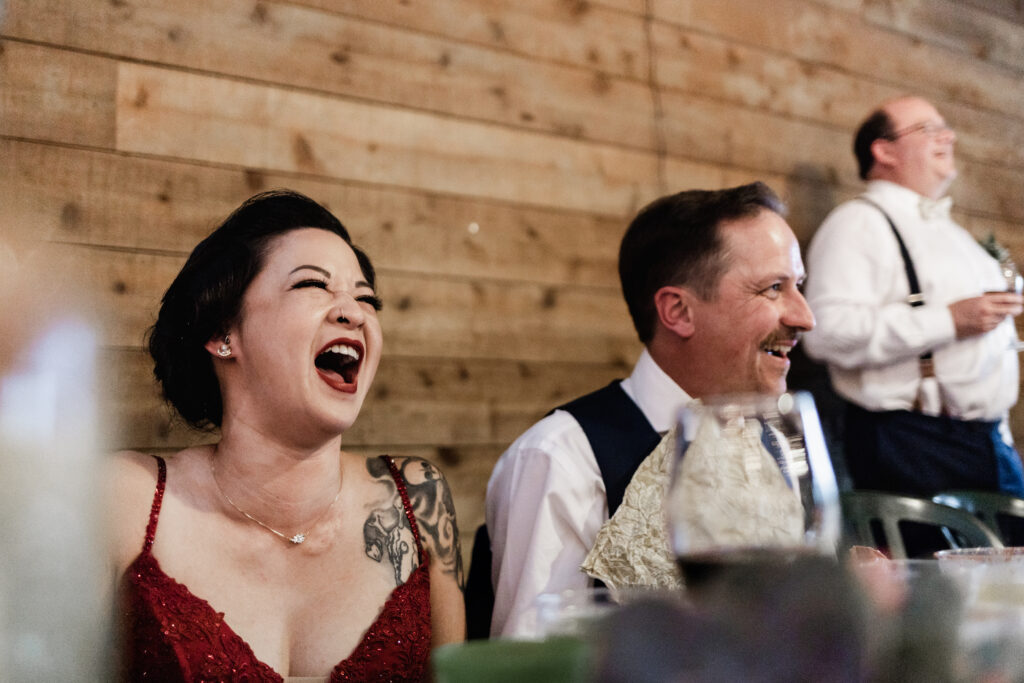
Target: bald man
x=914 y=320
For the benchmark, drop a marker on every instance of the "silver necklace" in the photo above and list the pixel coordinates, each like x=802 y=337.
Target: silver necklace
x=297 y=538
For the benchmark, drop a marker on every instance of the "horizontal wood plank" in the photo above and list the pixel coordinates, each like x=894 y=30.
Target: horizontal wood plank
x=56 y=95
x=97 y=198
x=692 y=66
x=422 y=316
x=300 y=47
x=752 y=139
x=951 y=24
x=822 y=34
x=696 y=64
x=414 y=401
x=607 y=35
x=189 y=116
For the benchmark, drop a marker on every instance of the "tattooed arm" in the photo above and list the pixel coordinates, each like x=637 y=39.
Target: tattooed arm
x=434 y=509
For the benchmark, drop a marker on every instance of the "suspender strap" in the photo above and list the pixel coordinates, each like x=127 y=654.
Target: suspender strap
x=619 y=434
x=916 y=298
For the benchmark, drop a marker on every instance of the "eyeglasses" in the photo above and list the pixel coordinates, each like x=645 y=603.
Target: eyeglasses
x=929 y=128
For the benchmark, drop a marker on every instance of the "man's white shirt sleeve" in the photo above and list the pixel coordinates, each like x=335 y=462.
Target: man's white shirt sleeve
x=546 y=502
x=871 y=337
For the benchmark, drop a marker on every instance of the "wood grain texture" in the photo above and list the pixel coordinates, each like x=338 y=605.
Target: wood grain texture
x=826 y=35
x=957 y=26
x=132 y=203
x=216 y=120
x=606 y=35
x=415 y=402
x=56 y=95
x=422 y=316
x=698 y=66
x=320 y=51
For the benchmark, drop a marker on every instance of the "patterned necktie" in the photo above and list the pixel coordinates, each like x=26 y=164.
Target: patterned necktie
x=771 y=443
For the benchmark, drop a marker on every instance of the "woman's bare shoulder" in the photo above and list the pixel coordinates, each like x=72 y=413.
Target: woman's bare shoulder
x=434 y=507
x=130 y=479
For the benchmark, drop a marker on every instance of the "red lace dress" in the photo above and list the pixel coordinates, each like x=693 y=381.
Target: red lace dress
x=172 y=635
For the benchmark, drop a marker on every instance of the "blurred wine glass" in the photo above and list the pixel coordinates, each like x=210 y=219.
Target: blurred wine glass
x=1011 y=275
x=752 y=483
x=1015 y=284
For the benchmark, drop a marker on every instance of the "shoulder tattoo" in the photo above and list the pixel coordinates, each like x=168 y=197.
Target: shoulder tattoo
x=386 y=531
x=432 y=504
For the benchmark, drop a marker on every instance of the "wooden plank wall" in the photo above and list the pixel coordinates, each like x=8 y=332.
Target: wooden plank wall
x=487 y=154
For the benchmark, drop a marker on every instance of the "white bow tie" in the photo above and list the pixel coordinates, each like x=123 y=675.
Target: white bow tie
x=935 y=208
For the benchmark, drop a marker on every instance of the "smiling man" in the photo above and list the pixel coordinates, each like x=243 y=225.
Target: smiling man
x=711 y=279
x=914 y=319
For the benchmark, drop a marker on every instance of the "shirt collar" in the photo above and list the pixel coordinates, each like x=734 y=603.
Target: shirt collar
x=906 y=199
x=658 y=396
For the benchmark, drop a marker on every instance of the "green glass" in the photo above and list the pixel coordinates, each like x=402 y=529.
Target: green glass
x=554 y=660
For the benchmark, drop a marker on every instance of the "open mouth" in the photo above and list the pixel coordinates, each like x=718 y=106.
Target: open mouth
x=779 y=349
x=338 y=364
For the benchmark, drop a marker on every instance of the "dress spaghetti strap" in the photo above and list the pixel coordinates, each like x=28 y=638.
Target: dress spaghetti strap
x=158 y=497
x=400 y=483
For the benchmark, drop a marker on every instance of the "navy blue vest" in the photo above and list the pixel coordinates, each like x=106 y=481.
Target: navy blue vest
x=620 y=436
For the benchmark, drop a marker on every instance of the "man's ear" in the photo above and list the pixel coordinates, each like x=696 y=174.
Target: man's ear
x=881 y=149
x=675 y=307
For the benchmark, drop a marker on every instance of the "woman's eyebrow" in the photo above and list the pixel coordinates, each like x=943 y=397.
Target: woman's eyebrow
x=309 y=267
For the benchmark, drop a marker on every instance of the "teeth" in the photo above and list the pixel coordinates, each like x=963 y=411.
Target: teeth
x=343 y=349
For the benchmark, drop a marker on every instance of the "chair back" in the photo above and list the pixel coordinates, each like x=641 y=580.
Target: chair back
x=875 y=519
x=1001 y=512
x=479 y=597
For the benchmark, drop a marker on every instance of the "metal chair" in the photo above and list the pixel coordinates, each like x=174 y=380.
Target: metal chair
x=880 y=519
x=1001 y=512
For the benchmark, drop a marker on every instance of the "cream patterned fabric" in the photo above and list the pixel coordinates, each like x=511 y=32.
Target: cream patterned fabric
x=731 y=492
x=632 y=547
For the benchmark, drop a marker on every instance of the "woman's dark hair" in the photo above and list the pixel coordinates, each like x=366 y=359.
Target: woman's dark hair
x=676 y=240
x=205 y=299
x=878 y=126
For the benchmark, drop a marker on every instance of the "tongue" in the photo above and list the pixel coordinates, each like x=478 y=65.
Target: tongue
x=336 y=365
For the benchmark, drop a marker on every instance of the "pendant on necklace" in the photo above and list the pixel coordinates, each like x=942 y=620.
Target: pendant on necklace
x=297 y=538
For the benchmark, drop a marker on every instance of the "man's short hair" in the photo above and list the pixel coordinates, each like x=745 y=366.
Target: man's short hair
x=878 y=126
x=675 y=240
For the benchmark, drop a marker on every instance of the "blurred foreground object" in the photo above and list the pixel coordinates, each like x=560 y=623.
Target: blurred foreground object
x=53 y=594
x=556 y=660
x=752 y=484
x=802 y=621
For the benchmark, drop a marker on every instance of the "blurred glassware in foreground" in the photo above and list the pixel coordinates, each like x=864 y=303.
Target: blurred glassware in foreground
x=579 y=612
x=752 y=484
x=991 y=637
x=54 y=589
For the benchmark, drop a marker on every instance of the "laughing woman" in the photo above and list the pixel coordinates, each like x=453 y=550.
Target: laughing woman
x=273 y=554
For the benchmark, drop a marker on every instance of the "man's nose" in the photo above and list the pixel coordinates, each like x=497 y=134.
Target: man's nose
x=798 y=313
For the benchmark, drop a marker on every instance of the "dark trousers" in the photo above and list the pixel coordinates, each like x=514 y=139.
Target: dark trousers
x=921 y=455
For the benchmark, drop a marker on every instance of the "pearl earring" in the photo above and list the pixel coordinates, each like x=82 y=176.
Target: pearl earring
x=225 y=349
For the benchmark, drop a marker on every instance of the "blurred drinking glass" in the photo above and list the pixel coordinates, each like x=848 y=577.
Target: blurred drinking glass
x=752 y=484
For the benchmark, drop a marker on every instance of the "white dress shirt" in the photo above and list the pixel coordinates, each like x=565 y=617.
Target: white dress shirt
x=871 y=338
x=546 y=502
